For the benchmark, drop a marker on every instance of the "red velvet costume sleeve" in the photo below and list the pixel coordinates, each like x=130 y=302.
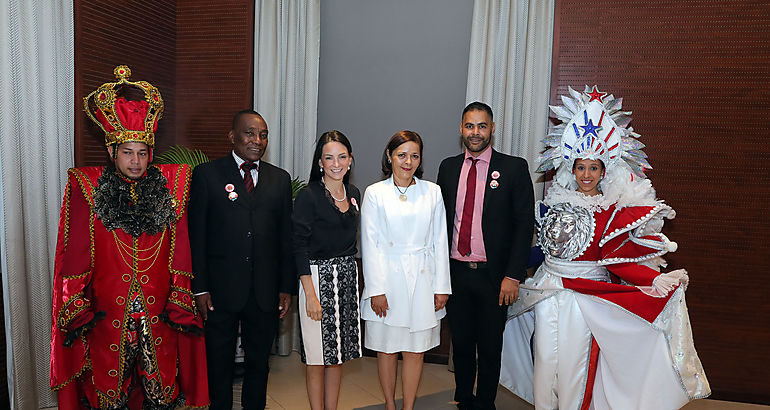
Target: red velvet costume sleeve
x=634 y=273
x=180 y=307
x=72 y=274
x=622 y=252
x=180 y=310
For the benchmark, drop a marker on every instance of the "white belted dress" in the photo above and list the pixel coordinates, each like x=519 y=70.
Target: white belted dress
x=405 y=257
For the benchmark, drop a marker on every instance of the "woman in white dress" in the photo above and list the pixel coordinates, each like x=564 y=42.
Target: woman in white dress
x=406 y=266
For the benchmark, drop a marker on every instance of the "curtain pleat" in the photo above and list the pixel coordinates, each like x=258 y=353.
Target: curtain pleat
x=287 y=37
x=510 y=69
x=36 y=148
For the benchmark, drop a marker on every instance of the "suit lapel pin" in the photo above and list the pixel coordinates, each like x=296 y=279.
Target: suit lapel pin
x=495 y=174
x=494 y=184
x=229 y=187
x=232 y=196
x=354 y=203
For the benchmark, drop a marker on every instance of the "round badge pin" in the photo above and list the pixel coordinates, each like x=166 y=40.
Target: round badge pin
x=229 y=187
x=495 y=175
x=232 y=196
x=494 y=184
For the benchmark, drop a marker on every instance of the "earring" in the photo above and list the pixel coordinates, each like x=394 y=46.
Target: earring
x=348 y=167
x=321 y=169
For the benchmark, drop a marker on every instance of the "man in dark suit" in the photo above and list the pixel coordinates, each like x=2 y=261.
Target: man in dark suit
x=489 y=207
x=240 y=221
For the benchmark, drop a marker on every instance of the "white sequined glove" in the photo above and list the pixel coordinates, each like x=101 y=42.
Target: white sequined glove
x=666 y=282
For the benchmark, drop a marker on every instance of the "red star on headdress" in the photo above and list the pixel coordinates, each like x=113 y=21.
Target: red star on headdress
x=596 y=95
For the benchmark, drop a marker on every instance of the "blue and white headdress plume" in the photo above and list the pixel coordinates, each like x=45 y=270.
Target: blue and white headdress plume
x=592 y=127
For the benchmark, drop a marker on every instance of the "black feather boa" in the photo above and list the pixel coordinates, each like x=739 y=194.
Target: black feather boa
x=152 y=211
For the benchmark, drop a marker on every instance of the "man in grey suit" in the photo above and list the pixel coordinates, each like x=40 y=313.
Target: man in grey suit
x=240 y=222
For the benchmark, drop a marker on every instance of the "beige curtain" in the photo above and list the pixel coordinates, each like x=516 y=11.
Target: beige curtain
x=510 y=69
x=287 y=39
x=36 y=148
x=286 y=49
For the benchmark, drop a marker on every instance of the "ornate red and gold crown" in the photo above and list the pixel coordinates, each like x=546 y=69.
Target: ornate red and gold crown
x=123 y=120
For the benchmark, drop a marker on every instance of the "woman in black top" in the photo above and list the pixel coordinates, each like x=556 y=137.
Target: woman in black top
x=326 y=219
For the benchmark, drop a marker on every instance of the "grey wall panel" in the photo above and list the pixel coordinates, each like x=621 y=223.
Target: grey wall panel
x=392 y=65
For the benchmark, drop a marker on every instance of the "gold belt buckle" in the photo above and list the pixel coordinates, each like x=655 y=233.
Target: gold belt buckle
x=473 y=265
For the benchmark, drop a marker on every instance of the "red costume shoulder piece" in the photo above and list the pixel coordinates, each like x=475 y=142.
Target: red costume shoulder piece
x=623 y=241
x=621 y=251
x=178 y=176
x=628 y=218
x=73 y=260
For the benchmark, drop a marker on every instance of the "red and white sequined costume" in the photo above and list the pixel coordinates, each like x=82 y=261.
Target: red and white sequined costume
x=604 y=338
x=137 y=282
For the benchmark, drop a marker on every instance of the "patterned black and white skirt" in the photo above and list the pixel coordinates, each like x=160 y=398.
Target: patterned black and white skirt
x=336 y=338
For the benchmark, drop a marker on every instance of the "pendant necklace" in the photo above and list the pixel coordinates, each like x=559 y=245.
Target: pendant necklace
x=344 y=190
x=402 y=197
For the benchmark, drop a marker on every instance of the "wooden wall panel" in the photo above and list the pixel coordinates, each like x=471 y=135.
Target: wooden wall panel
x=215 y=48
x=695 y=74
x=198 y=53
x=137 y=33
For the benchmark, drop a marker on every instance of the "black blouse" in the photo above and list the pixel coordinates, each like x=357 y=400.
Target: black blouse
x=320 y=229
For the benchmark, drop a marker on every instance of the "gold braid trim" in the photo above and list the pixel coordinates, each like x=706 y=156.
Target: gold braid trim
x=71 y=309
x=180 y=300
x=66 y=213
x=86 y=186
x=171 y=248
x=181 y=273
x=77 y=275
x=182 y=186
x=124 y=331
x=91 y=234
x=86 y=366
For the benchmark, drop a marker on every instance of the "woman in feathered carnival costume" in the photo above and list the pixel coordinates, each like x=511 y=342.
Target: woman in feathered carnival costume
x=611 y=331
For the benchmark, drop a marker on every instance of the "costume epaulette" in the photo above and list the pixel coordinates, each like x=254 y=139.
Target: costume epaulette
x=626 y=219
x=86 y=178
x=178 y=177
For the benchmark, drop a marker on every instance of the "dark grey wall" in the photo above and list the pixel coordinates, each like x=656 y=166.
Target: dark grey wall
x=393 y=65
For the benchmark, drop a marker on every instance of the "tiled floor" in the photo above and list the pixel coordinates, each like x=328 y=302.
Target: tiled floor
x=361 y=389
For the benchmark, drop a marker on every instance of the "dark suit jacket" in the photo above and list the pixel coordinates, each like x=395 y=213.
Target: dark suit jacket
x=508 y=212
x=242 y=245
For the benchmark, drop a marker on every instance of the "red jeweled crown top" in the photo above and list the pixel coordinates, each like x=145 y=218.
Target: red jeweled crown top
x=123 y=120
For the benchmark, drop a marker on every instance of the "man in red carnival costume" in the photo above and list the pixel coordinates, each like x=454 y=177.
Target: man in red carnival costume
x=125 y=332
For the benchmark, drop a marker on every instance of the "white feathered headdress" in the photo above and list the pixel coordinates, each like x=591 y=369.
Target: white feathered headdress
x=593 y=127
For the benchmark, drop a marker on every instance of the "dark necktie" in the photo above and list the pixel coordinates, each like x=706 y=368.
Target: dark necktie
x=247 y=180
x=464 y=238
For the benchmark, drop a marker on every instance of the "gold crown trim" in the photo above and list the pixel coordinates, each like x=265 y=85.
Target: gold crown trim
x=120 y=137
x=103 y=99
